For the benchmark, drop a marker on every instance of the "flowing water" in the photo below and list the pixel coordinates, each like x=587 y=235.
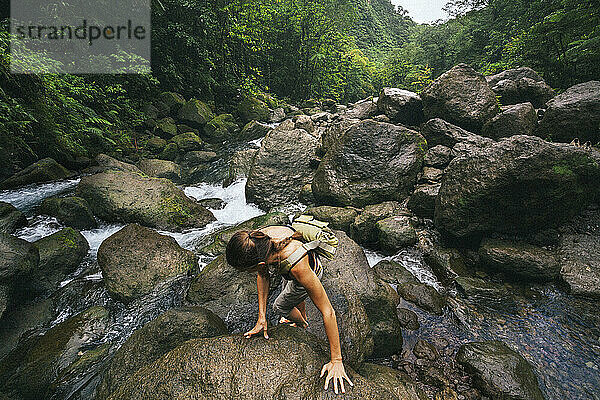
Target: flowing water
x=557 y=333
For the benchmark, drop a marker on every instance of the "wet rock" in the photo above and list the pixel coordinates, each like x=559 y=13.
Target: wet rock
x=477 y=287
x=424 y=296
x=422 y=201
x=239 y=165
x=439 y=132
x=36 y=367
x=350 y=173
x=71 y=211
x=520 y=85
x=281 y=168
x=431 y=375
x=363 y=230
x=447 y=394
x=46 y=170
x=460 y=96
x=339 y=218
x=446 y=263
x=60 y=254
x=214 y=203
x=517 y=185
x=218 y=241
x=220 y=128
x=195 y=113
x=438 y=157
x=170 y=152
x=136 y=259
x=193 y=158
x=520 y=119
x=573 y=114
x=105 y=163
x=580 y=268
x=157 y=338
x=19 y=258
x=401 y=106
x=393 y=272
x=304 y=122
x=334 y=131
x=166 y=128
x=498 y=371
x=11 y=218
x=161 y=169
x=408 y=319
x=395 y=233
x=277 y=115
x=255 y=130
x=156 y=145
x=518 y=259
x=431 y=175
x=285 y=366
x=253 y=109
x=287 y=125
x=188 y=141
x=363 y=109
x=425 y=350
x=126 y=197
x=403 y=386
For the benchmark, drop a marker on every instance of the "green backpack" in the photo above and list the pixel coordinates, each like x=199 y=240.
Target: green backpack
x=317 y=237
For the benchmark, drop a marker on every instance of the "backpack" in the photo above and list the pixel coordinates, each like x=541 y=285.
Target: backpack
x=318 y=237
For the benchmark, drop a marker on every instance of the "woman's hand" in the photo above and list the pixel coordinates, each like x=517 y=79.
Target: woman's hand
x=335 y=369
x=261 y=325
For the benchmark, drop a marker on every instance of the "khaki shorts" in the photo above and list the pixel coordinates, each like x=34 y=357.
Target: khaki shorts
x=292 y=294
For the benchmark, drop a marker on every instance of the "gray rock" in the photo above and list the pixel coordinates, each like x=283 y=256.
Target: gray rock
x=11 y=218
x=19 y=258
x=408 y=319
x=460 y=96
x=573 y=114
x=254 y=130
x=401 y=106
x=363 y=229
x=350 y=173
x=438 y=157
x=425 y=350
x=517 y=185
x=431 y=175
x=304 y=122
x=446 y=263
x=439 y=132
x=156 y=145
x=161 y=169
x=71 y=211
x=45 y=170
x=339 y=218
x=136 y=259
x=214 y=203
x=334 y=131
x=482 y=289
x=363 y=109
x=580 y=268
x=287 y=125
x=195 y=113
x=422 y=201
x=107 y=163
x=277 y=115
x=499 y=372
x=118 y=196
x=239 y=165
x=518 y=259
x=393 y=273
x=157 y=338
x=424 y=296
x=395 y=233
x=520 y=85
x=281 y=168
x=403 y=386
x=520 y=119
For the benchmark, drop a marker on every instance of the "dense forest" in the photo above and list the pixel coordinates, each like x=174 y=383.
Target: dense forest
x=220 y=51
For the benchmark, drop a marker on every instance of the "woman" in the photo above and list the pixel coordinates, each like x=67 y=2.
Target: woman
x=264 y=249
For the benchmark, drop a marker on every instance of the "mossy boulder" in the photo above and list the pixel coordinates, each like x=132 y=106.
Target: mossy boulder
x=39 y=365
x=170 y=152
x=11 y=218
x=520 y=119
x=363 y=230
x=253 y=109
x=156 y=338
x=173 y=101
x=118 y=196
x=46 y=170
x=60 y=254
x=395 y=233
x=499 y=372
x=103 y=163
x=156 y=145
x=424 y=296
x=160 y=169
x=19 y=258
x=195 y=113
x=136 y=259
x=339 y=218
x=220 y=128
x=71 y=211
x=188 y=141
x=166 y=128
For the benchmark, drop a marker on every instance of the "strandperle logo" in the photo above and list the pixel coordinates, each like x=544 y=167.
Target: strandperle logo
x=80 y=36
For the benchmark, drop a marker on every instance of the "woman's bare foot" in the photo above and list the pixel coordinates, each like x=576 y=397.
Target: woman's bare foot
x=283 y=320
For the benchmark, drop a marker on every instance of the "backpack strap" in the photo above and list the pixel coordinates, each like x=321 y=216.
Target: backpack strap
x=297 y=255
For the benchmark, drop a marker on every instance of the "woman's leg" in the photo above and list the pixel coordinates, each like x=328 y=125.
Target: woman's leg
x=302 y=308
x=296 y=316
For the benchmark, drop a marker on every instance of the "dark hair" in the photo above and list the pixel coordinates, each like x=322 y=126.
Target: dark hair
x=246 y=249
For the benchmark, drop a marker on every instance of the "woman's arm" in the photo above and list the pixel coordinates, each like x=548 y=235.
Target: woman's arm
x=307 y=278
x=262 y=284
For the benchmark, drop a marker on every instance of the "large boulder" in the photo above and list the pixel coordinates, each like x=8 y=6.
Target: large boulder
x=60 y=254
x=173 y=101
x=118 y=196
x=573 y=114
x=364 y=231
x=136 y=259
x=422 y=201
x=285 y=366
x=239 y=165
x=166 y=128
x=252 y=108
x=42 y=366
x=518 y=185
x=519 y=260
x=281 y=168
x=335 y=130
x=161 y=169
x=424 y=296
x=339 y=218
x=401 y=106
x=520 y=119
x=187 y=141
x=19 y=258
x=220 y=128
x=195 y=113
x=11 y=218
x=45 y=170
x=103 y=163
x=438 y=156
x=254 y=130
x=580 y=267
x=351 y=171
x=395 y=233
x=499 y=372
x=439 y=132
x=460 y=96
x=157 y=338
x=403 y=386
x=71 y=211
x=520 y=85
x=363 y=109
